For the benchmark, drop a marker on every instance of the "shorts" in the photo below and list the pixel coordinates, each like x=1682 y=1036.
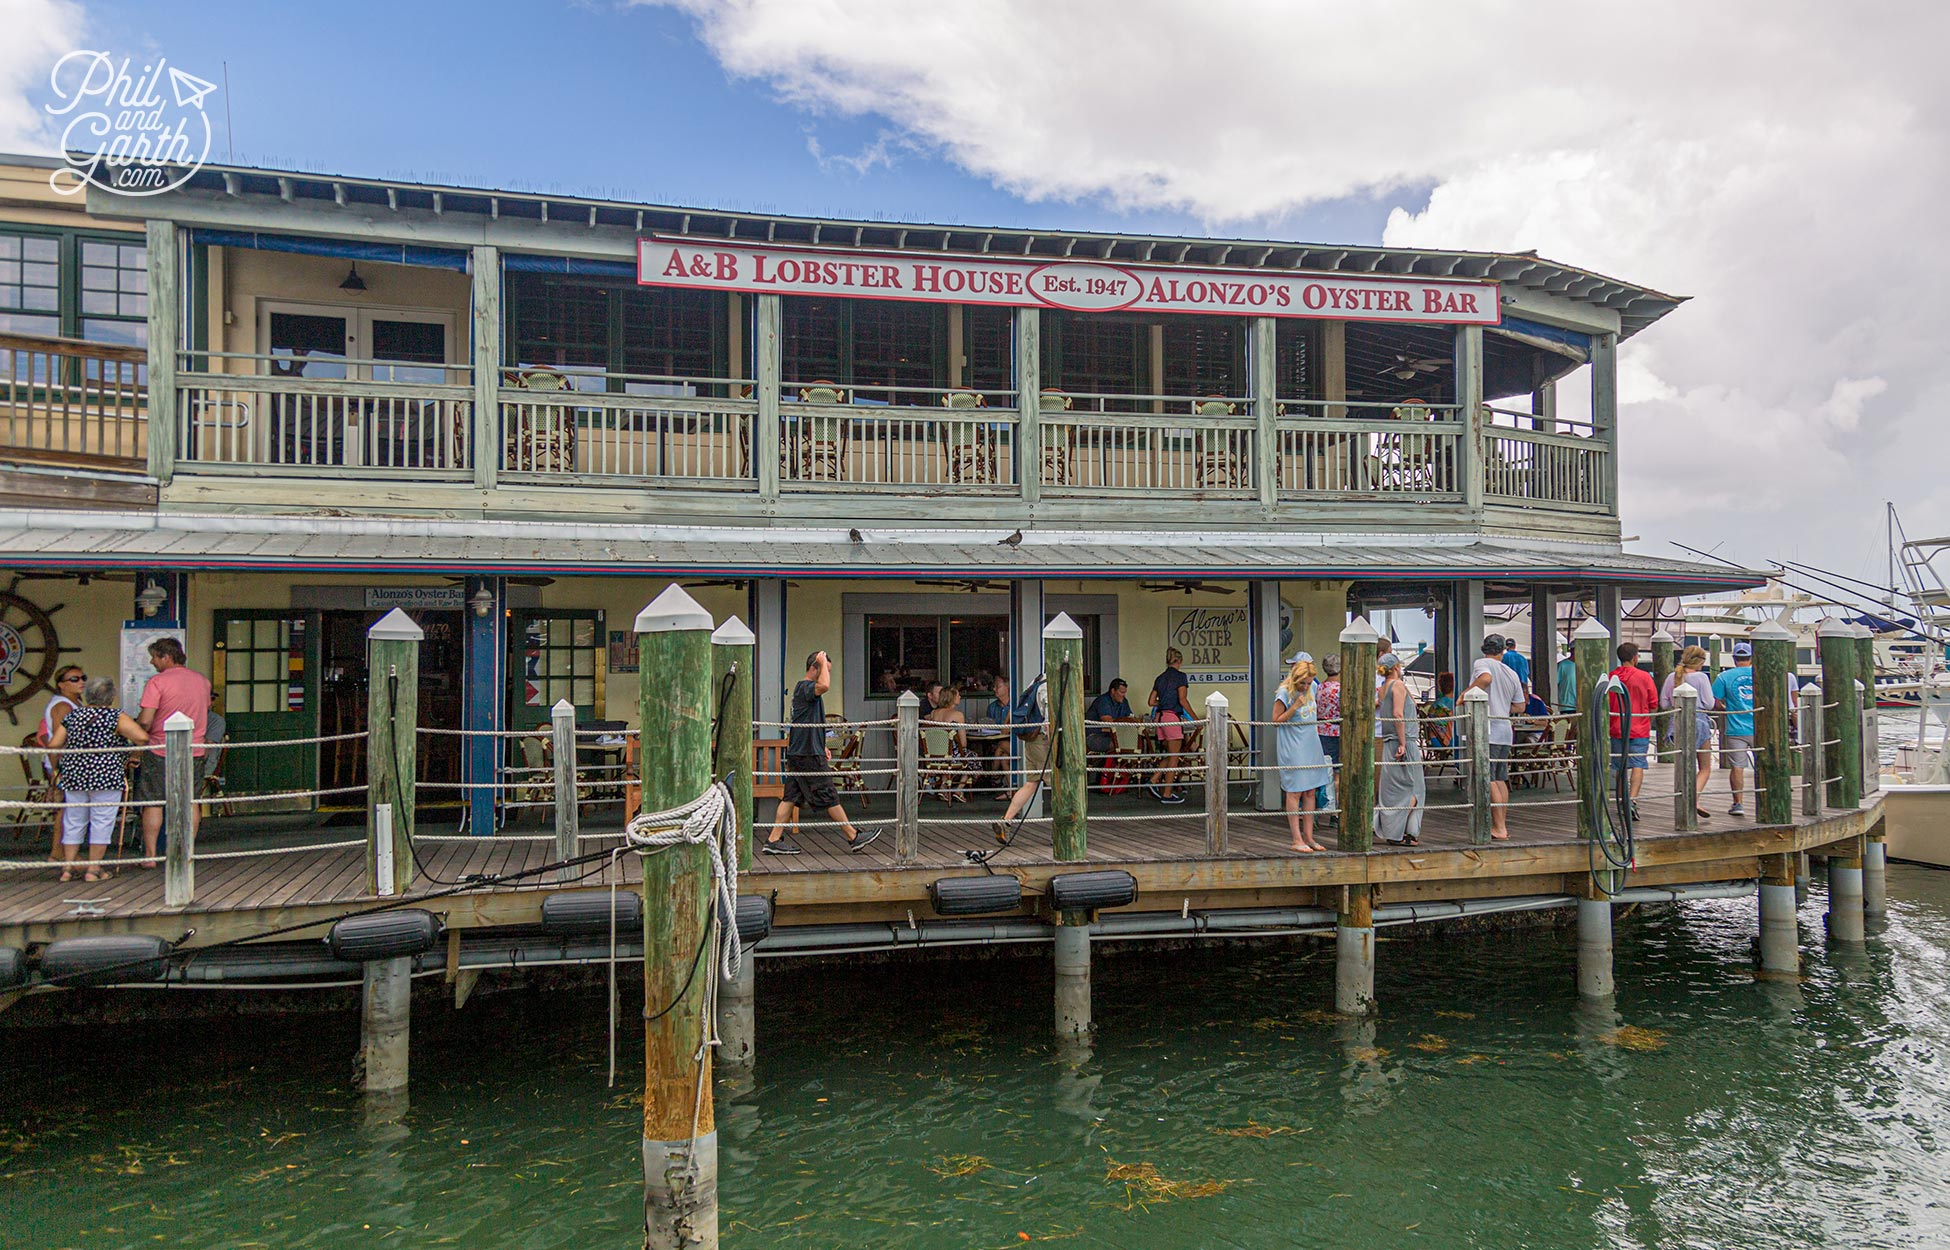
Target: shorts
x=89 y=815
x=1330 y=746
x=1035 y=754
x=1737 y=751
x=1499 y=761
x=809 y=783
x=150 y=786
x=1168 y=730
x=1099 y=742
x=1626 y=755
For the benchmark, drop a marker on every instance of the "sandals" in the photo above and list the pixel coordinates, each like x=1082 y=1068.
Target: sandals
x=101 y=874
x=67 y=875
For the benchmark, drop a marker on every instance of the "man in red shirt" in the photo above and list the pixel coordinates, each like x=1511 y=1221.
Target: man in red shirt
x=176 y=687
x=1628 y=749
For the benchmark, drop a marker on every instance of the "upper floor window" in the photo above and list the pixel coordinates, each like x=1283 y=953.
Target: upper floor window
x=607 y=335
x=894 y=351
x=75 y=285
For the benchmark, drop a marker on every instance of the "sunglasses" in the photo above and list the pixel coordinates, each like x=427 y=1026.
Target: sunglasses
x=76 y=677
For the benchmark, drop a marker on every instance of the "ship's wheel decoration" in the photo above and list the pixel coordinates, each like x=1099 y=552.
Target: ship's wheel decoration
x=30 y=650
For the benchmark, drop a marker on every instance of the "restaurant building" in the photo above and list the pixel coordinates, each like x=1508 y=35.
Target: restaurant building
x=267 y=406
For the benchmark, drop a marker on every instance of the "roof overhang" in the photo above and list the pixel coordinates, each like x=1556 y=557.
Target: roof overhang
x=290 y=543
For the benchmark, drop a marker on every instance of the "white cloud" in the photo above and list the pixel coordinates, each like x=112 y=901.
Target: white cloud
x=38 y=33
x=1784 y=163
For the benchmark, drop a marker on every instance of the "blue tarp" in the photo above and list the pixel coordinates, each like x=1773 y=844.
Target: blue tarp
x=1550 y=334
x=569 y=265
x=346 y=249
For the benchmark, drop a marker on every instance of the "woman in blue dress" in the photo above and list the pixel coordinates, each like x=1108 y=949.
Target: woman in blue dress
x=1303 y=765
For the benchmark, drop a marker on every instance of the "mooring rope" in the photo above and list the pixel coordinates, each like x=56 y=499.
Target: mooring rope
x=709 y=820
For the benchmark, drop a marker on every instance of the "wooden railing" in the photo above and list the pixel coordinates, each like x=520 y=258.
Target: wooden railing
x=954 y=438
x=1117 y=444
x=682 y=432
x=1369 y=448
x=73 y=403
x=257 y=418
x=1554 y=463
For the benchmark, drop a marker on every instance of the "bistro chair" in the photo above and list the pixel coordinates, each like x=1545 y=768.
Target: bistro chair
x=542 y=437
x=39 y=792
x=1214 y=465
x=974 y=450
x=819 y=459
x=845 y=742
x=1057 y=456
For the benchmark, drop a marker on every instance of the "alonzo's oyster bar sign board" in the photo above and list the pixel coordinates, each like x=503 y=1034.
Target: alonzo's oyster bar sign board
x=1078 y=285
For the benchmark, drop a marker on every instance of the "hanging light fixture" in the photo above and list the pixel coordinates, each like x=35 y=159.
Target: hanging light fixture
x=353 y=282
x=482 y=601
x=152 y=598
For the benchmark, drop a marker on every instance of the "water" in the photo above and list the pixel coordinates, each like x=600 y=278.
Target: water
x=1484 y=1109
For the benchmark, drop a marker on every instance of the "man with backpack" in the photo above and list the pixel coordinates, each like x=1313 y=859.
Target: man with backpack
x=808 y=768
x=1029 y=717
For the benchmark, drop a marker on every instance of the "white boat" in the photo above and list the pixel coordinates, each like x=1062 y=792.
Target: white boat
x=1916 y=785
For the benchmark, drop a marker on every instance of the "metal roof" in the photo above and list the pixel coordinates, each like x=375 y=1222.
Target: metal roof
x=1637 y=306
x=96 y=540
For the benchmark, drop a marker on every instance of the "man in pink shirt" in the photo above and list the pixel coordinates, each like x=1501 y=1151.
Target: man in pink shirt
x=176 y=687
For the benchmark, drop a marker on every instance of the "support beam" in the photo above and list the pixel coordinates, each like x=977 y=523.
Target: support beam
x=392 y=737
x=1029 y=405
x=1875 y=869
x=1780 y=931
x=1263 y=603
x=165 y=337
x=766 y=434
x=1609 y=611
x=484 y=431
x=1073 y=979
x=1604 y=421
x=1025 y=663
x=1468 y=628
x=1543 y=644
x=1469 y=398
x=385 y=1025
x=768 y=646
x=680 y=1139
x=1266 y=440
x=481 y=705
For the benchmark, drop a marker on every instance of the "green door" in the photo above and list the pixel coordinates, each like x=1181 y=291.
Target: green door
x=554 y=653
x=266 y=679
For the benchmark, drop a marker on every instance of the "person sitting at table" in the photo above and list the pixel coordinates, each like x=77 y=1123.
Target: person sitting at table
x=951 y=780
x=1442 y=731
x=1100 y=744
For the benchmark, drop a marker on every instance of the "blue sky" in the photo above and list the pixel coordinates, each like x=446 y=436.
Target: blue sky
x=580 y=98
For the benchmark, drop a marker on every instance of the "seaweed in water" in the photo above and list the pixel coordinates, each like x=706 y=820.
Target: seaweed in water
x=1632 y=1037
x=1143 y=1186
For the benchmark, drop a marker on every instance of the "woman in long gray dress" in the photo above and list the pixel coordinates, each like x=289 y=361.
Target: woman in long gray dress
x=1404 y=789
x=1296 y=740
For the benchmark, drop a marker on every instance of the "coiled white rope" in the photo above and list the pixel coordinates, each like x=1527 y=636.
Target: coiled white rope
x=709 y=820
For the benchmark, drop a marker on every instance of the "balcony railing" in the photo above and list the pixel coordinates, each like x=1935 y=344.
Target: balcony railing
x=252 y=414
x=1411 y=449
x=872 y=436
x=1556 y=462
x=694 y=431
x=1099 y=444
x=73 y=403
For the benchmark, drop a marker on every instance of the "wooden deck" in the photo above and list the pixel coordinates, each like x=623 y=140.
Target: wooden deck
x=829 y=884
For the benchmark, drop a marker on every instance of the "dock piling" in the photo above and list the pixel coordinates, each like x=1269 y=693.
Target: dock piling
x=1814 y=784
x=680 y=1138
x=907 y=778
x=1685 y=755
x=1591 y=655
x=1073 y=979
x=1845 y=922
x=1774 y=754
x=732 y=658
x=1780 y=932
x=1476 y=707
x=1594 y=948
x=179 y=802
x=1354 y=951
x=1663 y=653
x=562 y=734
x=386 y=997
x=1357 y=781
x=1875 y=864
x=392 y=737
x=1217 y=773
x=1069 y=799
x=1843 y=721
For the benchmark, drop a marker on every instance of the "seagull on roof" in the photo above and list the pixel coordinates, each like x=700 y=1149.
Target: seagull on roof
x=1013 y=540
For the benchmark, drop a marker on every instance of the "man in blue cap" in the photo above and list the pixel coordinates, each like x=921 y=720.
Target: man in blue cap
x=1733 y=690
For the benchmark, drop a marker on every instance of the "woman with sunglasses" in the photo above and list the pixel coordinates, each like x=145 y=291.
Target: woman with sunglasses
x=68 y=682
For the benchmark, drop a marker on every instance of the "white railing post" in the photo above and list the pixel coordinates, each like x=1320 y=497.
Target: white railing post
x=1813 y=750
x=179 y=811
x=562 y=734
x=907 y=780
x=382 y=850
x=1217 y=772
x=1476 y=706
x=1685 y=775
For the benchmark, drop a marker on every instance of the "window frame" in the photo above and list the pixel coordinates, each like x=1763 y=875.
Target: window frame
x=69 y=314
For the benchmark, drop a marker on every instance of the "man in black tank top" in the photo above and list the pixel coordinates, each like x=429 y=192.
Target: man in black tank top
x=808 y=772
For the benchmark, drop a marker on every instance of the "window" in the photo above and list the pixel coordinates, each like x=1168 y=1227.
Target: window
x=883 y=345
x=989 y=346
x=1095 y=355
x=556 y=656
x=586 y=327
x=908 y=652
x=1293 y=359
x=1205 y=356
x=263 y=665
x=84 y=286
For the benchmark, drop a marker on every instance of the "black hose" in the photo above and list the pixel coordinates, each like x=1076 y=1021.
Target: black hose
x=1613 y=825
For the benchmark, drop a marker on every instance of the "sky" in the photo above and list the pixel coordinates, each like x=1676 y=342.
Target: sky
x=1783 y=162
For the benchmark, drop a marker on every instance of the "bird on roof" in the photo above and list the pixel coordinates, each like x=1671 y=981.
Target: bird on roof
x=1013 y=540
x=856 y=536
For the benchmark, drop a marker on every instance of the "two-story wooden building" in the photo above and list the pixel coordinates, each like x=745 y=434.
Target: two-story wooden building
x=521 y=415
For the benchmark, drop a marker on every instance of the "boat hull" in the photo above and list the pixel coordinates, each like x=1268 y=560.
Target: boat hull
x=1916 y=820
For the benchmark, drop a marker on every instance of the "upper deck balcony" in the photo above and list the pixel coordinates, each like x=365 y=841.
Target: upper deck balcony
x=545 y=374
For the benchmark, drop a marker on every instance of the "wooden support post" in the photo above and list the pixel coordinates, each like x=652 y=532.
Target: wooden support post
x=1218 y=772
x=484 y=431
x=1591 y=655
x=907 y=778
x=1814 y=756
x=386 y=997
x=179 y=811
x=767 y=435
x=166 y=424
x=1069 y=767
x=1476 y=707
x=392 y=738
x=1865 y=657
x=1469 y=396
x=1357 y=780
x=1685 y=754
x=1845 y=920
x=1354 y=946
x=1773 y=750
x=732 y=661
x=1714 y=646
x=1609 y=609
x=1594 y=947
x=1842 y=749
x=1875 y=870
x=1780 y=932
x=1266 y=411
x=680 y=1139
x=1029 y=408
x=562 y=735
x=1543 y=646
x=1663 y=654
x=1604 y=422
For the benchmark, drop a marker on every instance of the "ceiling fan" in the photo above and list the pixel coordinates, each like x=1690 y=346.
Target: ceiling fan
x=1188 y=586
x=1408 y=368
x=972 y=585
x=736 y=583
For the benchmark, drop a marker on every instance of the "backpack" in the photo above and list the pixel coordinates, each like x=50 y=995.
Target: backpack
x=1024 y=714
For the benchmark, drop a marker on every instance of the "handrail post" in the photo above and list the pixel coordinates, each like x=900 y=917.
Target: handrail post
x=732 y=667
x=680 y=1130
x=1217 y=772
x=1773 y=763
x=1069 y=765
x=907 y=780
x=1685 y=775
x=1663 y=652
x=562 y=732
x=766 y=433
x=484 y=431
x=1476 y=706
x=1359 y=643
x=392 y=736
x=1814 y=784
x=1029 y=404
x=179 y=799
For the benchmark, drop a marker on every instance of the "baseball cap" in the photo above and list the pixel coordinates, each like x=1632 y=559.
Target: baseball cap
x=1742 y=650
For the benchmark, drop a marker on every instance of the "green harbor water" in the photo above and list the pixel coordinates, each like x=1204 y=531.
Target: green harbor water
x=926 y=1107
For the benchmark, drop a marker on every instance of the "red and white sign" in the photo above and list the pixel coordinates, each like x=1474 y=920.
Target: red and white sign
x=1078 y=285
